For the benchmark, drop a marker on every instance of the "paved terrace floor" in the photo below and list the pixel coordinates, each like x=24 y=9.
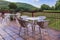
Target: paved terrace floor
x=11 y=31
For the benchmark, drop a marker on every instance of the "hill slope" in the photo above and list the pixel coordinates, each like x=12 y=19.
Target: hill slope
x=6 y=3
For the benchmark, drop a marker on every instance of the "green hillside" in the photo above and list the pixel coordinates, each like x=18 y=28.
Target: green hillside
x=6 y=3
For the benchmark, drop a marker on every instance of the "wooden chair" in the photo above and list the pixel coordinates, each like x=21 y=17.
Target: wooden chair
x=23 y=24
x=42 y=25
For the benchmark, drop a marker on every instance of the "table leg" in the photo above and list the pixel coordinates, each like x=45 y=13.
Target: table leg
x=33 y=30
x=40 y=33
x=19 y=31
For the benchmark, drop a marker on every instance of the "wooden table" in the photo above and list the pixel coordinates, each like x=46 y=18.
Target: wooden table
x=33 y=19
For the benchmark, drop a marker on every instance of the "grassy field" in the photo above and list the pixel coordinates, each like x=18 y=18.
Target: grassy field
x=54 y=18
x=52 y=11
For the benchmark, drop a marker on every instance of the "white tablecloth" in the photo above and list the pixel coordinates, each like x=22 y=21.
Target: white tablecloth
x=24 y=17
x=32 y=18
x=42 y=17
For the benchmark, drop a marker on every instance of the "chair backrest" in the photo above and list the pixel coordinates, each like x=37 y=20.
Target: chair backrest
x=18 y=14
x=23 y=23
x=43 y=24
x=46 y=23
x=40 y=24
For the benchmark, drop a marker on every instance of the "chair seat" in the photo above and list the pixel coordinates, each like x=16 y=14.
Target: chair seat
x=43 y=24
x=23 y=23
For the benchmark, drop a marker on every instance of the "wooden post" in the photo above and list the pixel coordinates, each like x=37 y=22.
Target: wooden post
x=33 y=13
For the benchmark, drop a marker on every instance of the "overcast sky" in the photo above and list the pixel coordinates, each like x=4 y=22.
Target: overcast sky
x=36 y=3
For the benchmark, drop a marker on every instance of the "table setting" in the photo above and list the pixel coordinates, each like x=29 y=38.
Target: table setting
x=34 y=21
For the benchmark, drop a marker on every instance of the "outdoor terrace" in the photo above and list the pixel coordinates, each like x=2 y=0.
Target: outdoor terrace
x=11 y=32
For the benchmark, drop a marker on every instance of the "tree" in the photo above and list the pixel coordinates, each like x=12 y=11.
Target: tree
x=52 y=8
x=57 y=5
x=58 y=0
x=45 y=7
x=12 y=6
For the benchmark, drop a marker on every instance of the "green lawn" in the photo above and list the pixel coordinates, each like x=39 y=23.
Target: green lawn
x=52 y=17
x=55 y=24
x=52 y=11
